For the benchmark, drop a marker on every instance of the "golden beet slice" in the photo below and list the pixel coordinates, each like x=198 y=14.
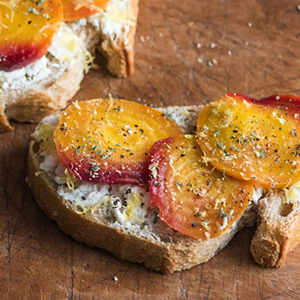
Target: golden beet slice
x=254 y=140
x=77 y=9
x=192 y=196
x=27 y=31
x=110 y=140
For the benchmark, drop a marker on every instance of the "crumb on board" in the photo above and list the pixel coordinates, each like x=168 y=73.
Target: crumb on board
x=212 y=62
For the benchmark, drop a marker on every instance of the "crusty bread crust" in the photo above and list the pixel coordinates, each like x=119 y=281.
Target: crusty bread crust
x=278 y=231
x=167 y=257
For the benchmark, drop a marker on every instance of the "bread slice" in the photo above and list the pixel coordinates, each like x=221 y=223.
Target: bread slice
x=112 y=32
x=94 y=213
x=43 y=87
x=39 y=89
x=118 y=29
x=278 y=231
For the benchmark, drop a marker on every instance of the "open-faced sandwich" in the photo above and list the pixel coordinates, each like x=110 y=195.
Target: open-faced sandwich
x=169 y=187
x=46 y=46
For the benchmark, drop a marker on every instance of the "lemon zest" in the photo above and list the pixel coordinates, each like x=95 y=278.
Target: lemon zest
x=83 y=210
x=291 y=195
x=37 y=174
x=44 y=136
x=70 y=179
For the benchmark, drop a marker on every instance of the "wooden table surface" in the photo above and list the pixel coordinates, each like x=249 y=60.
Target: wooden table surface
x=186 y=53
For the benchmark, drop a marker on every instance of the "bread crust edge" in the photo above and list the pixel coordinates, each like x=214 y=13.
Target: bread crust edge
x=278 y=231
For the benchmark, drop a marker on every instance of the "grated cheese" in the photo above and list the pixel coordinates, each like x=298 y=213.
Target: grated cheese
x=292 y=195
x=86 y=3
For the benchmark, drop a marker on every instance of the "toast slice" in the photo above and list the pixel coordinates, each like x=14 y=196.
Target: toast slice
x=112 y=32
x=118 y=35
x=39 y=89
x=94 y=213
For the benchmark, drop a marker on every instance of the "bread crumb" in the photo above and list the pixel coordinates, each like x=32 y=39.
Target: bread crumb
x=212 y=62
x=116 y=278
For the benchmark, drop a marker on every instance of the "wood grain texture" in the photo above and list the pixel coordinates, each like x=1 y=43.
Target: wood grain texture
x=187 y=52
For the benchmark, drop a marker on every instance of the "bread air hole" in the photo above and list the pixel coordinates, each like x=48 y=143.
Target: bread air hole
x=285 y=209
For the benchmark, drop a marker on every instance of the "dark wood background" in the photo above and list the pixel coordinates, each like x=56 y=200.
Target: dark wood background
x=186 y=53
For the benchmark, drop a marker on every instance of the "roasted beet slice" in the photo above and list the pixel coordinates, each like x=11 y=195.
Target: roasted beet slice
x=192 y=196
x=110 y=140
x=254 y=140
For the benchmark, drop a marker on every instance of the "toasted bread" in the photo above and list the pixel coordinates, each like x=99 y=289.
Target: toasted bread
x=141 y=240
x=39 y=89
x=43 y=87
x=112 y=32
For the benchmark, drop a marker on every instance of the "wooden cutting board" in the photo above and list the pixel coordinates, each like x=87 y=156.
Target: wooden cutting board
x=186 y=53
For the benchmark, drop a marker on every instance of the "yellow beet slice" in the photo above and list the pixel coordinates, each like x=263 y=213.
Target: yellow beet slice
x=110 y=140
x=192 y=196
x=253 y=140
x=27 y=31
